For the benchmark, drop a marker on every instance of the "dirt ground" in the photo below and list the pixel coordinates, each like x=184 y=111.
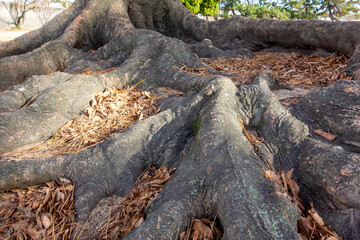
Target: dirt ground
x=10 y=34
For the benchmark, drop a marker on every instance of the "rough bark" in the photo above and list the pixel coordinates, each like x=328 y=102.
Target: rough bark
x=218 y=171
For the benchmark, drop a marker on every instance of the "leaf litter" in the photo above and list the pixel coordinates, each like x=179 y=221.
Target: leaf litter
x=324 y=134
x=47 y=211
x=110 y=111
x=38 y=212
x=289 y=69
x=310 y=225
x=196 y=71
x=201 y=229
x=130 y=212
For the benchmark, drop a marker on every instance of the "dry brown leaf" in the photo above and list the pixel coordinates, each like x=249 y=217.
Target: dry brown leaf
x=344 y=173
x=139 y=222
x=294 y=187
x=350 y=90
x=166 y=91
x=46 y=222
x=314 y=214
x=196 y=71
x=34 y=234
x=326 y=135
x=8 y=196
x=182 y=235
x=332 y=238
x=273 y=176
x=186 y=235
x=201 y=231
x=3 y=229
x=303 y=237
x=305 y=227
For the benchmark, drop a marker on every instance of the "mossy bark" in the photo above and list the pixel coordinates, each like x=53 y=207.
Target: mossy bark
x=218 y=171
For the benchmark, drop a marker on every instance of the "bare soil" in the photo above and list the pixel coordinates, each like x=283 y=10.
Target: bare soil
x=10 y=34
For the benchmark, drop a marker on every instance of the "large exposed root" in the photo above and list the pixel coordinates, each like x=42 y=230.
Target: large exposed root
x=219 y=172
x=51 y=57
x=110 y=111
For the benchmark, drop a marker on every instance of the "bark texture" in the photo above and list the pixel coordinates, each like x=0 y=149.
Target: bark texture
x=218 y=171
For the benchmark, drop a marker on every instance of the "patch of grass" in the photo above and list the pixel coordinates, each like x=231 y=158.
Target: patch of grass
x=16 y=28
x=196 y=125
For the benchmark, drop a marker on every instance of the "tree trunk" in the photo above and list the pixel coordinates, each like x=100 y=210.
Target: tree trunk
x=218 y=170
x=331 y=15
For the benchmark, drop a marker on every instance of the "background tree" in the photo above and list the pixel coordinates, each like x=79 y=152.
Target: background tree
x=301 y=9
x=294 y=9
x=43 y=10
x=204 y=7
x=264 y=11
x=338 y=8
x=209 y=7
x=64 y=3
x=193 y=5
x=220 y=174
x=18 y=9
x=230 y=5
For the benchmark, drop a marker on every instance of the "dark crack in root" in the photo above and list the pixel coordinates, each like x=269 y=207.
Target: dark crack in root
x=201 y=228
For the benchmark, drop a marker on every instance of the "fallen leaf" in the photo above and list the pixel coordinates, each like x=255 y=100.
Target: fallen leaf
x=326 y=135
x=303 y=237
x=273 y=176
x=34 y=234
x=305 y=227
x=314 y=214
x=139 y=222
x=46 y=222
x=344 y=173
x=350 y=90
x=332 y=238
x=294 y=187
x=202 y=231
x=8 y=196
x=64 y=181
x=182 y=235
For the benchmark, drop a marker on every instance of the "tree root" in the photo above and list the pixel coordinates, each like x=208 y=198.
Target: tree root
x=219 y=171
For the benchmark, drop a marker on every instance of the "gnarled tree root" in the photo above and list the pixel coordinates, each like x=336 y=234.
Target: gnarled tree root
x=218 y=170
